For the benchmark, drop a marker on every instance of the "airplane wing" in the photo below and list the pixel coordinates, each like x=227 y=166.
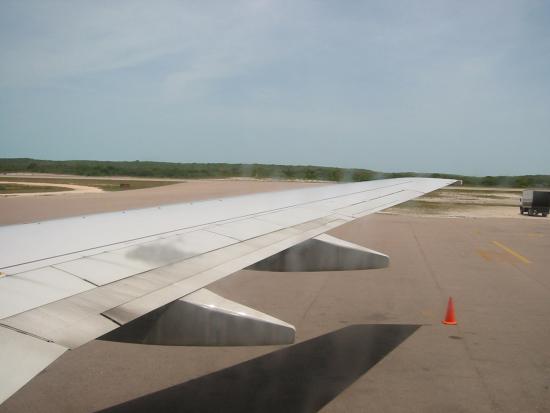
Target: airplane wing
x=140 y=275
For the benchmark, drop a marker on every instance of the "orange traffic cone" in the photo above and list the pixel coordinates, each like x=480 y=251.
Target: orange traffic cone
x=450 y=316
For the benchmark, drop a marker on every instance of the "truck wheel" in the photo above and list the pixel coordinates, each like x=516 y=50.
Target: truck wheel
x=521 y=210
x=545 y=214
x=530 y=212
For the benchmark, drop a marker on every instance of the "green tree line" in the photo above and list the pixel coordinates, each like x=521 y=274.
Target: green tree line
x=224 y=170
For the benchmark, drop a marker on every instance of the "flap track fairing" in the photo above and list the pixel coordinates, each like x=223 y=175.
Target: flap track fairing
x=323 y=253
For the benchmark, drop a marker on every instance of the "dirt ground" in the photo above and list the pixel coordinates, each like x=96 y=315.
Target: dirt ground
x=468 y=202
x=53 y=189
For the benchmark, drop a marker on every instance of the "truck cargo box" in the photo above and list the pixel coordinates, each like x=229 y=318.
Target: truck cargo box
x=535 y=201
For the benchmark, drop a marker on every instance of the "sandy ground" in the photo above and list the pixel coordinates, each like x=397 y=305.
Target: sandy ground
x=469 y=211
x=497 y=358
x=57 y=176
x=467 y=202
x=73 y=189
x=133 y=178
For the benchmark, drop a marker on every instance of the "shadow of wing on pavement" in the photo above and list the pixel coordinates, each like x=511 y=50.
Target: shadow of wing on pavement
x=299 y=378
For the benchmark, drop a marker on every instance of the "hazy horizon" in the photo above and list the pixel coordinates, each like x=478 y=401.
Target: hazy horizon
x=381 y=172
x=431 y=86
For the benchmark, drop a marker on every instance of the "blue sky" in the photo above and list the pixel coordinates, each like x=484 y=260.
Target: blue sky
x=429 y=86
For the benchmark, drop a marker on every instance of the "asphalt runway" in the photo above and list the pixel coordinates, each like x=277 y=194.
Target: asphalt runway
x=497 y=359
x=20 y=210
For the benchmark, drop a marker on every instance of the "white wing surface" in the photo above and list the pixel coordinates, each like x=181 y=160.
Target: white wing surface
x=68 y=281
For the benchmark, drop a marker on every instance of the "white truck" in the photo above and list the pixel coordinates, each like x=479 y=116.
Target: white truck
x=535 y=201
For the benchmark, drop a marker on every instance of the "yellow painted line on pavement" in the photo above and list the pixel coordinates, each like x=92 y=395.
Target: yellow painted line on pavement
x=486 y=255
x=512 y=252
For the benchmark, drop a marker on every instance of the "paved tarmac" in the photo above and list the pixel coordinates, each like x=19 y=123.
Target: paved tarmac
x=20 y=210
x=497 y=359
